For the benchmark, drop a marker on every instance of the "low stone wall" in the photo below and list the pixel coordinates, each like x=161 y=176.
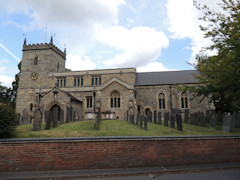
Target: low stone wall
x=115 y=152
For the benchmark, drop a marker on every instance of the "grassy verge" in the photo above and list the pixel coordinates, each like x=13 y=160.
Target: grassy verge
x=114 y=128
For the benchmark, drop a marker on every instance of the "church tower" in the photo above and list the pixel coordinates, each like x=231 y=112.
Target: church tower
x=38 y=61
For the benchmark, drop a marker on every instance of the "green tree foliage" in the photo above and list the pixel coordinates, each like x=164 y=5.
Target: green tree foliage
x=8 y=121
x=219 y=76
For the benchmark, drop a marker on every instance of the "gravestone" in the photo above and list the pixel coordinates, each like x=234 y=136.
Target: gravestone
x=49 y=120
x=132 y=118
x=71 y=114
x=191 y=119
x=186 y=116
x=220 y=116
x=18 y=118
x=137 y=118
x=166 y=118
x=155 y=117
x=127 y=115
x=213 y=121
x=179 y=120
x=172 y=121
x=159 y=118
x=45 y=115
x=208 y=116
x=203 y=119
x=195 y=118
x=37 y=120
x=234 y=120
x=25 y=117
x=227 y=121
x=68 y=115
x=55 y=117
x=149 y=116
x=141 y=120
x=61 y=117
x=74 y=116
x=145 y=123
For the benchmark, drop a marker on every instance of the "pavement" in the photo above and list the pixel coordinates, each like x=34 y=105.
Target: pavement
x=99 y=173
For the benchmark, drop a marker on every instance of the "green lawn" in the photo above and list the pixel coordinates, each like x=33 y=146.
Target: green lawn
x=114 y=128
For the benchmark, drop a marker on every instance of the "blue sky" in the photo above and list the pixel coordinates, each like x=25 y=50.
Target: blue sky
x=150 y=35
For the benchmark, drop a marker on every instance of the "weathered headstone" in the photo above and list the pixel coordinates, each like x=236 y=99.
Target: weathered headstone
x=71 y=113
x=132 y=118
x=25 y=117
x=137 y=119
x=172 y=121
x=127 y=115
x=141 y=120
x=55 y=117
x=159 y=118
x=145 y=123
x=186 y=116
x=179 y=120
x=166 y=118
x=213 y=121
x=149 y=116
x=74 y=116
x=37 y=120
x=68 y=115
x=234 y=120
x=49 y=120
x=203 y=119
x=155 y=117
x=195 y=118
x=191 y=119
x=61 y=117
x=208 y=116
x=227 y=121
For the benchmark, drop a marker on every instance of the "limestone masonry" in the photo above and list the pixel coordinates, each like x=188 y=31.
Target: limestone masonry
x=77 y=95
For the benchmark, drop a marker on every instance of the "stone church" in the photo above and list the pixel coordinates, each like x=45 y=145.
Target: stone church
x=45 y=85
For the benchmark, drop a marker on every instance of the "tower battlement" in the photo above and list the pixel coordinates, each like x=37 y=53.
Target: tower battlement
x=44 y=46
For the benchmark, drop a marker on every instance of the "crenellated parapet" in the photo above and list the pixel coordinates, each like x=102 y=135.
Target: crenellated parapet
x=44 y=46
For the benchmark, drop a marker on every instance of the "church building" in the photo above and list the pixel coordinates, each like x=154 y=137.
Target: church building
x=45 y=84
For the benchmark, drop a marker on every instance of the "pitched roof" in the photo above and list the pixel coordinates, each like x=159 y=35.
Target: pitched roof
x=166 y=77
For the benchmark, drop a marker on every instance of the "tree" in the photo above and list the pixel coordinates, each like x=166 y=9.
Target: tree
x=15 y=86
x=219 y=77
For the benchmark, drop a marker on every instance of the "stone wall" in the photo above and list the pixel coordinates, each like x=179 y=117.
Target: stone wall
x=115 y=152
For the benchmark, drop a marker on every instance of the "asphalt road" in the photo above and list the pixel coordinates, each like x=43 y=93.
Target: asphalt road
x=233 y=174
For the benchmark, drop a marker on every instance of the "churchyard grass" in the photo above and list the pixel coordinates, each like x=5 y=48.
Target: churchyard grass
x=114 y=128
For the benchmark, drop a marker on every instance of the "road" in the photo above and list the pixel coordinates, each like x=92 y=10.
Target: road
x=233 y=174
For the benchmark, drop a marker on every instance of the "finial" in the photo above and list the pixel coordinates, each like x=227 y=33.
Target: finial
x=51 y=39
x=65 y=51
x=25 y=42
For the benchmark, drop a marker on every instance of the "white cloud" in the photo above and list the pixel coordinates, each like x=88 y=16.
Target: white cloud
x=183 y=22
x=6 y=80
x=76 y=62
x=139 y=45
x=153 y=66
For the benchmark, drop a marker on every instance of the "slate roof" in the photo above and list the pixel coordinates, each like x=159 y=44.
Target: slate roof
x=166 y=78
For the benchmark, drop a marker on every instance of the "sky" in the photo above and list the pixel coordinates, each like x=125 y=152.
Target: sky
x=149 y=35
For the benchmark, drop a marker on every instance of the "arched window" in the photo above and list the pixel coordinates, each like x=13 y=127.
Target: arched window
x=115 y=100
x=184 y=100
x=161 y=101
x=36 y=60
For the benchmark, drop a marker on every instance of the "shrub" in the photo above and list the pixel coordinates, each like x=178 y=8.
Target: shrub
x=8 y=121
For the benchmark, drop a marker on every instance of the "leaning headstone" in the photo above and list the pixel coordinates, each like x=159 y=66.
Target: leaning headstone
x=166 y=118
x=145 y=123
x=159 y=118
x=55 y=117
x=155 y=117
x=61 y=116
x=186 y=116
x=37 y=120
x=213 y=121
x=227 y=121
x=25 y=116
x=49 y=120
x=179 y=121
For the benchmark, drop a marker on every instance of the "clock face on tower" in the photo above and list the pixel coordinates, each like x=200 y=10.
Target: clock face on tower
x=34 y=76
